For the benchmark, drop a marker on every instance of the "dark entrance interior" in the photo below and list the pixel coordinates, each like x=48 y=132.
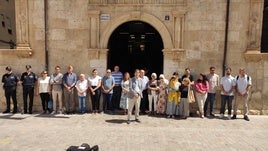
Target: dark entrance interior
x=134 y=45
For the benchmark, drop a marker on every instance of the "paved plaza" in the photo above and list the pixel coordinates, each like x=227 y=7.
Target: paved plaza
x=111 y=132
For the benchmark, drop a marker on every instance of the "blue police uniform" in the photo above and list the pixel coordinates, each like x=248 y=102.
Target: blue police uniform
x=28 y=81
x=10 y=84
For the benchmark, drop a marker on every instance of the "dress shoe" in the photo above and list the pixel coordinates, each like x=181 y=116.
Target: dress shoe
x=6 y=111
x=246 y=118
x=234 y=117
x=128 y=121
x=137 y=120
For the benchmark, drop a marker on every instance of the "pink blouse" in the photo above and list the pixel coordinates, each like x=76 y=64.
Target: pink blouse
x=199 y=86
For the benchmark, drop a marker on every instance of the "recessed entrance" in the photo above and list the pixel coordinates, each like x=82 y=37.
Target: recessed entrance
x=136 y=44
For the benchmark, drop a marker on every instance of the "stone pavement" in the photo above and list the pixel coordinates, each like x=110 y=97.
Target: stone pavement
x=56 y=133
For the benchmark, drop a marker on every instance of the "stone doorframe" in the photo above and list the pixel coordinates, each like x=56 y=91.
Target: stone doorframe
x=150 y=19
x=170 y=51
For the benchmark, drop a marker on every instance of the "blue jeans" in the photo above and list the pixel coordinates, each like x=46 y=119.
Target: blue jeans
x=107 y=100
x=226 y=99
x=82 y=103
x=210 y=100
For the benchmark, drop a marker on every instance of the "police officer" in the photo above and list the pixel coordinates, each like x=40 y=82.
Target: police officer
x=28 y=80
x=10 y=81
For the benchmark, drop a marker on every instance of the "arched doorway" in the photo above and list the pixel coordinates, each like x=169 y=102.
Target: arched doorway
x=136 y=44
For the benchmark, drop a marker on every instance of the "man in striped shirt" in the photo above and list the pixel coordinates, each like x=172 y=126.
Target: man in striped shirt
x=118 y=76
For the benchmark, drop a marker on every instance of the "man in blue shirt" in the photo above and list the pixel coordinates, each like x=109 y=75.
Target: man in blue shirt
x=107 y=86
x=28 y=80
x=69 y=80
x=118 y=77
x=10 y=81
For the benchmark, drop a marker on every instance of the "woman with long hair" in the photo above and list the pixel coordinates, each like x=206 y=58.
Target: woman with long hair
x=201 y=88
x=124 y=94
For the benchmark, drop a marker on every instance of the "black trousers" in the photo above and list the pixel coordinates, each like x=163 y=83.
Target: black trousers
x=28 y=91
x=116 y=96
x=45 y=100
x=144 y=101
x=11 y=92
x=95 y=99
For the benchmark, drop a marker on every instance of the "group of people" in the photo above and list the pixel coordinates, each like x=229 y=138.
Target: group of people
x=149 y=96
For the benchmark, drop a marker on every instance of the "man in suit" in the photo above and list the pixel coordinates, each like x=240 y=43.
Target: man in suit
x=135 y=95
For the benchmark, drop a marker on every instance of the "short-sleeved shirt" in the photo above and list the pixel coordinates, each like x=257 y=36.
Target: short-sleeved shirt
x=107 y=82
x=214 y=81
x=10 y=80
x=118 y=76
x=44 y=85
x=69 y=79
x=28 y=79
x=82 y=85
x=228 y=82
x=145 y=81
x=94 y=81
x=56 y=77
x=242 y=83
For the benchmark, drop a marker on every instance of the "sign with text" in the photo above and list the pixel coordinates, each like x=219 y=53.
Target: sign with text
x=105 y=17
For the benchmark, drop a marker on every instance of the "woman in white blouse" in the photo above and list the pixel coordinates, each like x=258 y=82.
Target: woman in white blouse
x=95 y=92
x=43 y=89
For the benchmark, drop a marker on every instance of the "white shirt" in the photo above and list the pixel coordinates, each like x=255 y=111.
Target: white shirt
x=82 y=86
x=44 y=85
x=242 y=83
x=145 y=80
x=228 y=82
x=214 y=82
x=94 y=81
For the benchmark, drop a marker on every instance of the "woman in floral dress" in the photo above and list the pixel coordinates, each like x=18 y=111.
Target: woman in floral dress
x=163 y=94
x=125 y=91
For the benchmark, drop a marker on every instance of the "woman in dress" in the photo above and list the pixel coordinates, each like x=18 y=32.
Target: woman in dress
x=201 y=89
x=43 y=89
x=163 y=93
x=153 y=90
x=124 y=93
x=173 y=95
x=94 y=84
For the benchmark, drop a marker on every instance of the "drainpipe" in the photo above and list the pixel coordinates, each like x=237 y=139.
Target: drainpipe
x=226 y=37
x=46 y=33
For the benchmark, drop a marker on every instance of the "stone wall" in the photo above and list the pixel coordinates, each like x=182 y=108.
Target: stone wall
x=193 y=37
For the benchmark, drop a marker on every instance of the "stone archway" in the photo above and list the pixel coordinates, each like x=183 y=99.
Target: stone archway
x=150 y=19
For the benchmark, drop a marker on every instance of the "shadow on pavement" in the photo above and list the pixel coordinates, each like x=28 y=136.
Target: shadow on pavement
x=11 y=117
x=116 y=121
x=50 y=116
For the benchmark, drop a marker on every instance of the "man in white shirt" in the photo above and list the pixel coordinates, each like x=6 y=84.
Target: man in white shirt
x=227 y=85
x=144 y=106
x=214 y=83
x=243 y=86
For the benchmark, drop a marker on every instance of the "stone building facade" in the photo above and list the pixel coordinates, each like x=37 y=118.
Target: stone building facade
x=78 y=32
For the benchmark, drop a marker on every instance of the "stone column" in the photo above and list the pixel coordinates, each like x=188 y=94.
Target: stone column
x=255 y=24
x=178 y=26
x=173 y=59
x=94 y=26
x=98 y=59
x=22 y=29
x=254 y=31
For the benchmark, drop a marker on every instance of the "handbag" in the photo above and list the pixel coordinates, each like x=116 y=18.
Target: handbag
x=190 y=98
